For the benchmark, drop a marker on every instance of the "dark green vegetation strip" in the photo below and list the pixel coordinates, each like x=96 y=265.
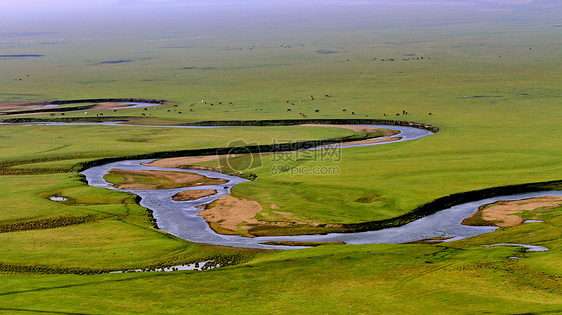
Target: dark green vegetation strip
x=214 y=261
x=6 y=167
x=43 y=269
x=107 y=100
x=286 y=122
x=47 y=223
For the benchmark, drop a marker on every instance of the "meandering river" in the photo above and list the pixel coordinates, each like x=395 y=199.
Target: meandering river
x=180 y=218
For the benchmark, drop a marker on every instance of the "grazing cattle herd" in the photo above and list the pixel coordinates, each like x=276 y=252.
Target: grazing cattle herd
x=302 y=114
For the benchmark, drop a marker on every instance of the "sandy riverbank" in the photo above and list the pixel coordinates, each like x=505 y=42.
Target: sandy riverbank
x=505 y=213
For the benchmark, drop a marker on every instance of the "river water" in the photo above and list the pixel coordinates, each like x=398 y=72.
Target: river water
x=180 y=218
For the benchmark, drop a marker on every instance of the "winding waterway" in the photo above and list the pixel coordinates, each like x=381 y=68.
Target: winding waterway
x=180 y=218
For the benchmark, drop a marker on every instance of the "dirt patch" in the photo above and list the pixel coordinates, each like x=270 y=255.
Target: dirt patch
x=505 y=213
x=144 y=180
x=188 y=195
x=229 y=212
x=179 y=161
x=230 y=215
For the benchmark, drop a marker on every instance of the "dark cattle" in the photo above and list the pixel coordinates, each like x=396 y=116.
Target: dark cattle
x=191 y=110
x=175 y=105
x=169 y=110
x=352 y=113
x=115 y=111
x=220 y=103
x=211 y=104
x=101 y=114
x=344 y=110
x=430 y=114
x=288 y=109
x=316 y=111
x=292 y=103
x=180 y=113
x=397 y=114
x=62 y=114
x=143 y=114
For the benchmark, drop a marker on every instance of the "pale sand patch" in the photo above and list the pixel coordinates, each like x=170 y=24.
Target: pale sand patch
x=188 y=195
x=506 y=211
x=273 y=206
x=179 y=161
x=230 y=215
x=228 y=212
x=174 y=179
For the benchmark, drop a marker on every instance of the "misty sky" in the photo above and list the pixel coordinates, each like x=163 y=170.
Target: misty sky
x=56 y=15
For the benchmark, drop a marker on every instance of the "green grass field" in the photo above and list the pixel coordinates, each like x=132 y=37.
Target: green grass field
x=490 y=77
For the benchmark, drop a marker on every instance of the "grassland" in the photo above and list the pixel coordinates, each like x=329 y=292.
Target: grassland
x=500 y=125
